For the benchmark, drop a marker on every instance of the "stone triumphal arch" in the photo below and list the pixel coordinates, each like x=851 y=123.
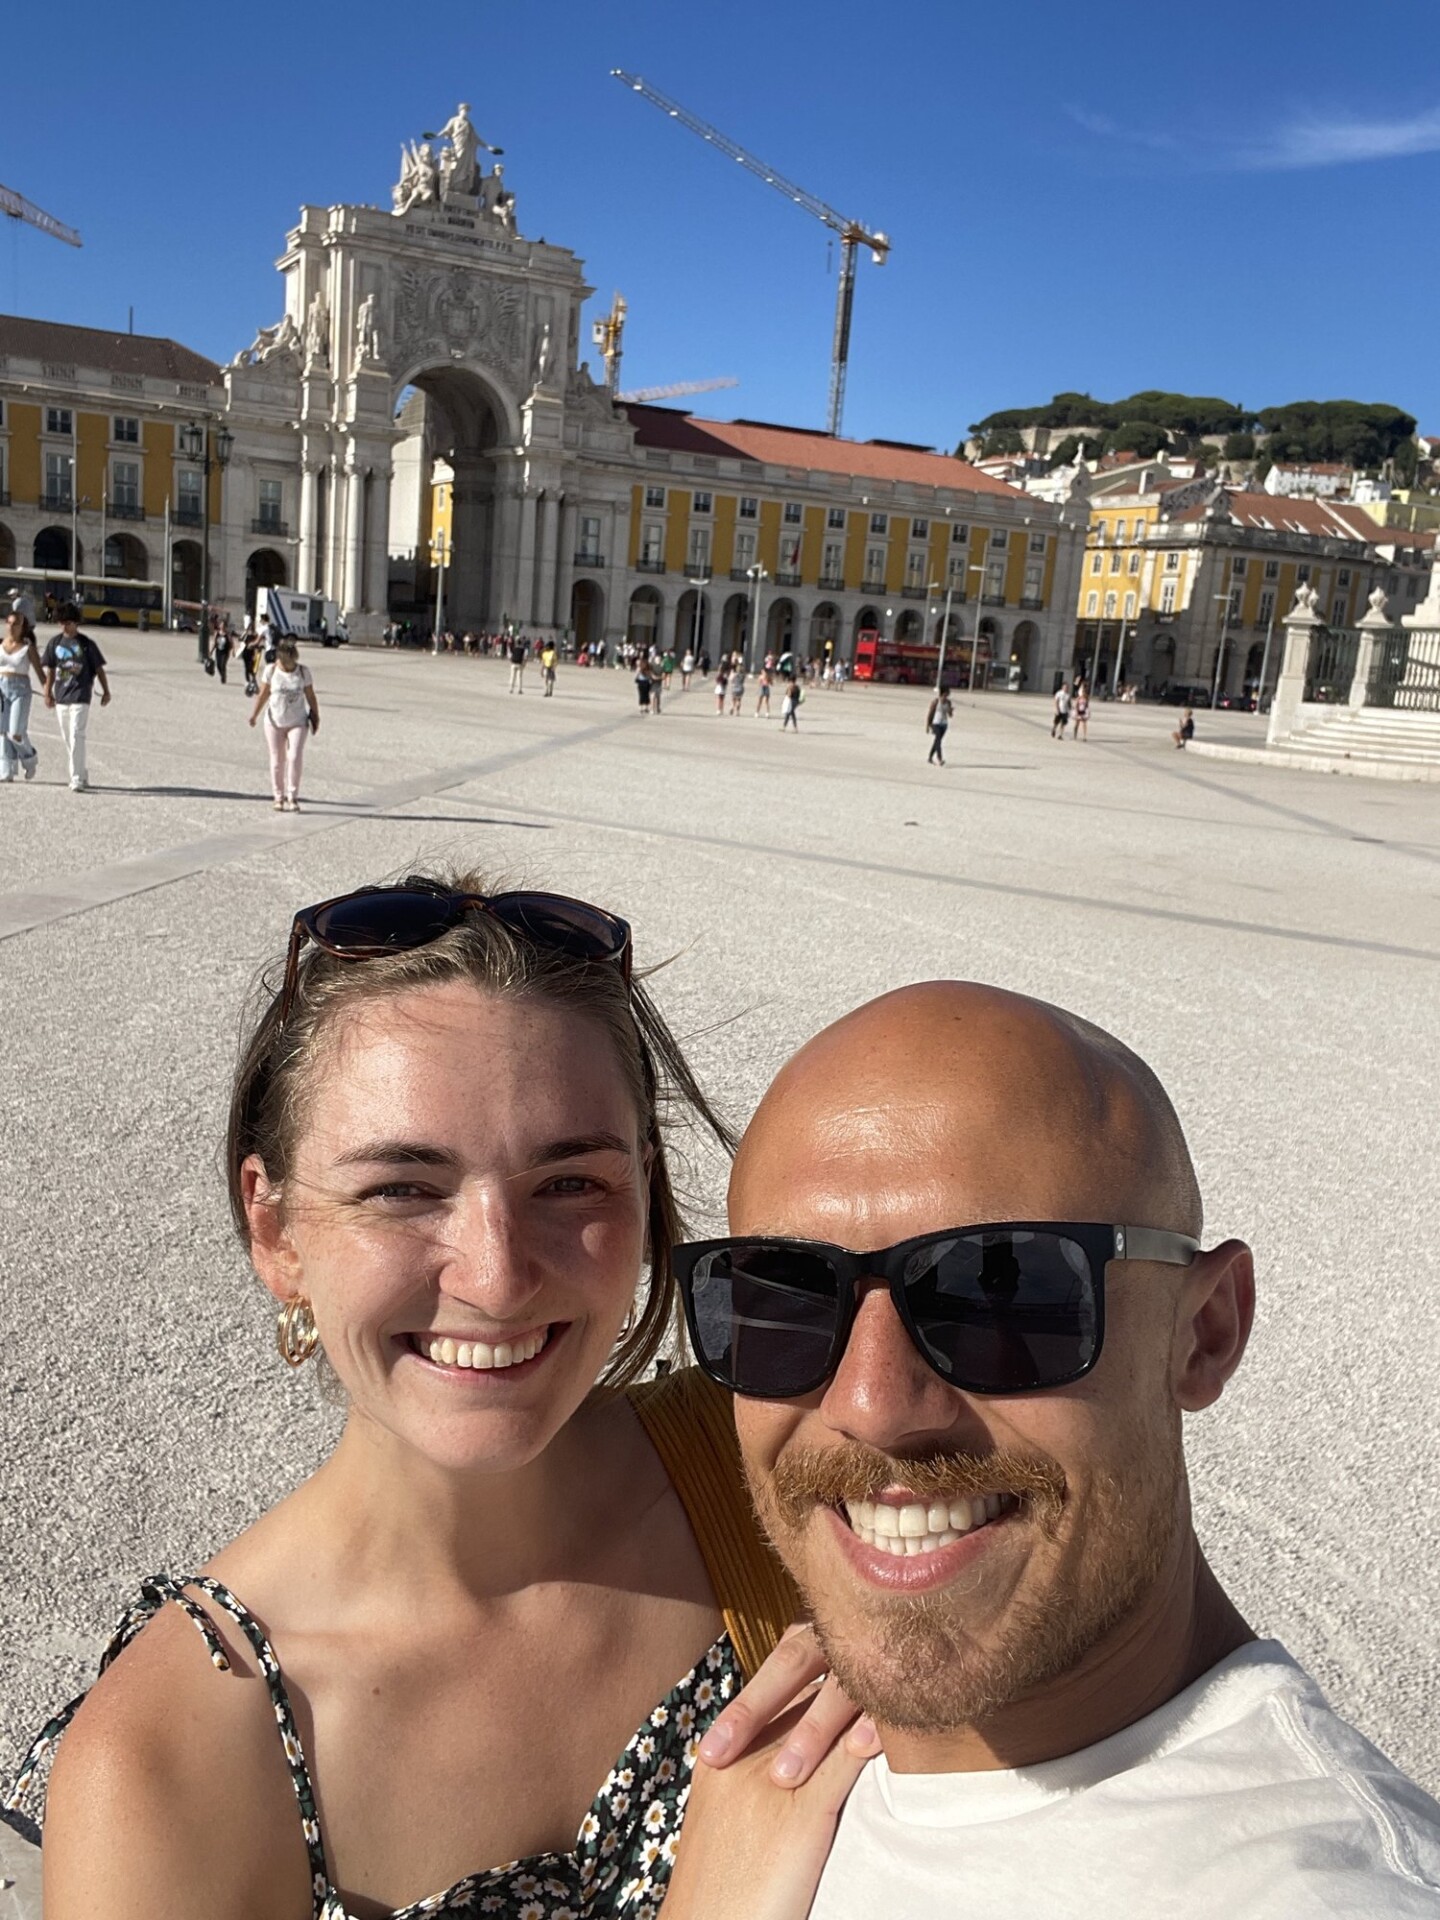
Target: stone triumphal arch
x=433 y=331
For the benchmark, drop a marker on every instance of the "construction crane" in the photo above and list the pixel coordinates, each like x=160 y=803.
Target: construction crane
x=852 y=233
x=679 y=387
x=19 y=208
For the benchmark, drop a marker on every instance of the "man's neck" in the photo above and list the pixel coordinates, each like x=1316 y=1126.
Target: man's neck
x=1185 y=1626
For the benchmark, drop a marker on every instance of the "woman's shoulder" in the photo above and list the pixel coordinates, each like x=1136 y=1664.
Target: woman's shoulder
x=167 y=1775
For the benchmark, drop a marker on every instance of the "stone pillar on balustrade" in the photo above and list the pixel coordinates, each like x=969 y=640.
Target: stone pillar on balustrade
x=1302 y=623
x=1374 y=629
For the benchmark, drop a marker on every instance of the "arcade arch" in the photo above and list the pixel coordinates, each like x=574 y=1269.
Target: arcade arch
x=642 y=628
x=264 y=568
x=1024 y=648
x=867 y=620
x=692 y=622
x=7 y=547
x=824 y=629
x=780 y=625
x=587 y=614
x=52 y=550
x=126 y=557
x=185 y=571
x=734 y=624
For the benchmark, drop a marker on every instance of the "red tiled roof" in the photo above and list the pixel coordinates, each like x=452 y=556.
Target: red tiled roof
x=776 y=446
x=138 y=353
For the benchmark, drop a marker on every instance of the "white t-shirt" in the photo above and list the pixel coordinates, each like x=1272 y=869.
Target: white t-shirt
x=287 y=706
x=1244 y=1798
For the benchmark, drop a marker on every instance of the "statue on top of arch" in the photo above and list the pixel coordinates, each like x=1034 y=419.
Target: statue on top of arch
x=457 y=178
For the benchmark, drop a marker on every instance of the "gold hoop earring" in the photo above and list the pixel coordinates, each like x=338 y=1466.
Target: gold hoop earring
x=296 y=1335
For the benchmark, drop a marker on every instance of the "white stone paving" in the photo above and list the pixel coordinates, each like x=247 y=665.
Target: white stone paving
x=1271 y=944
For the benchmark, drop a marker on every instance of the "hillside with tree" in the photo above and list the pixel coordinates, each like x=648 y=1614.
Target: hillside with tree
x=1356 y=433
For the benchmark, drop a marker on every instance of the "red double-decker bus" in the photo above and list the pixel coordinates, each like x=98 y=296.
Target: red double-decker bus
x=910 y=663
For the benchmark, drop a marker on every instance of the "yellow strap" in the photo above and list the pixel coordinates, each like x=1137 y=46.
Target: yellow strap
x=691 y=1424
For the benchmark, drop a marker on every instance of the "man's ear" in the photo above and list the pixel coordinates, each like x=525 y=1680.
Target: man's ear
x=271 y=1252
x=1212 y=1324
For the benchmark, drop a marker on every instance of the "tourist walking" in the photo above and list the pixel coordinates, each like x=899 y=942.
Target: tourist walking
x=722 y=681
x=18 y=654
x=218 y=659
x=644 y=685
x=287 y=699
x=937 y=720
x=547 y=667
x=1185 y=732
x=1081 y=713
x=517 y=651
x=687 y=667
x=1062 y=712
x=72 y=664
x=250 y=658
x=790 y=705
x=737 y=689
x=762 y=699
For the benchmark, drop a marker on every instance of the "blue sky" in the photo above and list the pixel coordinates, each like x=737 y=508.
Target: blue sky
x=1238 y=200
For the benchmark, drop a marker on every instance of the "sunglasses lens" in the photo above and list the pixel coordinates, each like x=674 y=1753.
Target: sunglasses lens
x=566 y=925
x=1005 y=1312
x=763 y=1317
x=398 y=917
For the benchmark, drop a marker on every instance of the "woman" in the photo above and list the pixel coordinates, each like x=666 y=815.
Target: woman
x=1081 y=711
x=937 y=721
x=287 y=699
x=18 y=654
x=790 y=705
x=722 y=681
x=644 y=684
x=447 y=1163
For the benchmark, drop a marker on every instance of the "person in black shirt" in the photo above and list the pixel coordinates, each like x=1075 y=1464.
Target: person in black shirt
x=73 y=663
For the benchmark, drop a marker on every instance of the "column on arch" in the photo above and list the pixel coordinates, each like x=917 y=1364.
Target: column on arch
x=547 y=567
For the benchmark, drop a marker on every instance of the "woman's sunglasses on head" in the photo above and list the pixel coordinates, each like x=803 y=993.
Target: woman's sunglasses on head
x=376 y=921
x=1009 y=1308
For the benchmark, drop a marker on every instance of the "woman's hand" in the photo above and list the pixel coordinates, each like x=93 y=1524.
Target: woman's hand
x=762 y=1812
x=790 y=1671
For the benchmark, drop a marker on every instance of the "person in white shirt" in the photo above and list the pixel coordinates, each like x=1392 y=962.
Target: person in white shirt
x=287 y=700
x=965 y=1441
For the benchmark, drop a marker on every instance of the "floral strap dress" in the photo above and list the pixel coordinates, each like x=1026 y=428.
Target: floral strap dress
x=623 y=1853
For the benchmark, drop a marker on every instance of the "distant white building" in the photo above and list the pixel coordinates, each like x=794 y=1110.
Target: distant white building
x=1309 y=480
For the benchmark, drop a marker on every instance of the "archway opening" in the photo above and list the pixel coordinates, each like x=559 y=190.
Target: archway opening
x=780 y=624
x=824 y=630
x=265 y=568
x=7 y=547
x=693 y=623
x=643 y=625
x=587 y=614
x=126 y=558
x=52 y=550
x=453 y=506
x=185 y=572
x=867 y=620
x=734 y=624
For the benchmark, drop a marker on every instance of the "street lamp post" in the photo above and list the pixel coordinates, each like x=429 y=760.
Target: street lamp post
x=195 y=445
x=75 y=532
x=1265 y=662
x=697 y=612
x=1220 y=650
x=1119 y=676
x=757 y=574
x=975 y=636
x=439 y=587
x=944 y=631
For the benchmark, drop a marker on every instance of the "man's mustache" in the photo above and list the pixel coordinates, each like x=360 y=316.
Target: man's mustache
x=806 y=1477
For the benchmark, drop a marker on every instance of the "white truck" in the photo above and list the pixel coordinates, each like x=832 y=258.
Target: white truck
x=301 y=616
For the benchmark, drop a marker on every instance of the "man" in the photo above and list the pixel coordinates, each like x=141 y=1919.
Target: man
x=966 y=1446
x=518 y=650
x=1062 y=712
x=72 y=664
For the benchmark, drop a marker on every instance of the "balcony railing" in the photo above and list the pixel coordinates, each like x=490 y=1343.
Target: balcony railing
x=992 y=599
x=741 y=573
x=263 y=523
x=186 y=517
x=787 y=579
x=125 y=510
x=833 y=582
x=589 y=560
x=1032 y=601
x=914 y=593
x=872 y=586
x=55 y=502
x=644 y=565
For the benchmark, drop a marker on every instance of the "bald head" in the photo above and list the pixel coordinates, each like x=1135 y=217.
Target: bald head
x=952 y=1092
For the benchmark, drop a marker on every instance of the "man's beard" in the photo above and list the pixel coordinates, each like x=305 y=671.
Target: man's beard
x=908 y=1660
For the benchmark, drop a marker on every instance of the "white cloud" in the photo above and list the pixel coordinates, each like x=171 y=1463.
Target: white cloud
x=1303 y=141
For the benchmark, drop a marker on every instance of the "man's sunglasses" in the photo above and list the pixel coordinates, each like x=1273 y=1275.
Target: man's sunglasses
x=380 y=920
x=1009 y=1308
